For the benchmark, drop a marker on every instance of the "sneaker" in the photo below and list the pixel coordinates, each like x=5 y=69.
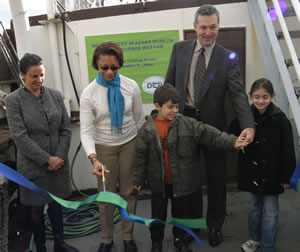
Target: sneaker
x=250 y=246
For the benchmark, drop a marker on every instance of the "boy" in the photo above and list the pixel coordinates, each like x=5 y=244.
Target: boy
x=167 y=159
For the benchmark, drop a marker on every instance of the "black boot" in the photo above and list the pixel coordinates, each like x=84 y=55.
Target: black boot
x=55 y=216
x=38 y=228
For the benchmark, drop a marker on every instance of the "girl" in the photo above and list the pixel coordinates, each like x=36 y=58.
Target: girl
x=265 y=167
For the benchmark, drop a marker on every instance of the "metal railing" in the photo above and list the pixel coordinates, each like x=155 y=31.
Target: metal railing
x=287 y=37
x=4 y=201
x=296 y=6
x=277 y=69
x=10 y=55
x=87 y=4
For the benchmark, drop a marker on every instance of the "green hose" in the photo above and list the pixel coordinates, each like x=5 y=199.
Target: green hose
x=82 y=221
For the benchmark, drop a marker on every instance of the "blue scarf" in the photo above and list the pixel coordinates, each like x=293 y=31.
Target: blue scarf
x=116 y=102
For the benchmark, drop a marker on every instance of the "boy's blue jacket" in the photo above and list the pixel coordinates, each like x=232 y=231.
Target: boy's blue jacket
x=184 y=137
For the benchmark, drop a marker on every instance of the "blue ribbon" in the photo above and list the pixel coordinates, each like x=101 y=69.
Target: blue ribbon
x=295 y=179
x=102 y=196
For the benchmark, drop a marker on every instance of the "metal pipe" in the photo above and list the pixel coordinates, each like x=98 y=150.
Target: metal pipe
x=296 y=6
x=21 y=27
x=53 y=41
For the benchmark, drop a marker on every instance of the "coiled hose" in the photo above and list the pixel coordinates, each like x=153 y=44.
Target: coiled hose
x=80 y=222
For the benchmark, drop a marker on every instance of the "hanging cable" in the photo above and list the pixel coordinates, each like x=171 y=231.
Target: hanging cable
x=63 y=19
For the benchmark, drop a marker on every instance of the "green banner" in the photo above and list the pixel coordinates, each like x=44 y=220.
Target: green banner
x=146 y=57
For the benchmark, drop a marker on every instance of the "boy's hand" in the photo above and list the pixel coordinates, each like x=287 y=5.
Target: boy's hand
x=240 y=143
x=138 y=187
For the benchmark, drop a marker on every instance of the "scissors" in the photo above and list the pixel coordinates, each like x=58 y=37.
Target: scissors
x=103 y=180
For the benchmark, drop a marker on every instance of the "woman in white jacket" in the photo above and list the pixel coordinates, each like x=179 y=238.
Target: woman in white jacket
x=110 y=115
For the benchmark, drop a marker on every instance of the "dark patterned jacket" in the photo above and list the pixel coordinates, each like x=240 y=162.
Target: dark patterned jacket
x=40 y=127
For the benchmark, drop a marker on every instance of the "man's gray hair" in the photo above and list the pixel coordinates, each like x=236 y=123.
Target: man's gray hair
x=207 y=10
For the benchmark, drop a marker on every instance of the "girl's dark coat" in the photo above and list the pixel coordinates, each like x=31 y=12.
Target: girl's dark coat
x=270 y=159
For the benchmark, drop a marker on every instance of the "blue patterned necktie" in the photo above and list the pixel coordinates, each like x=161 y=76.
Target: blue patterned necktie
x=198 y=78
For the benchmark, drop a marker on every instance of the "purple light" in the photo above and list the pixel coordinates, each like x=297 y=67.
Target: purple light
x=283 y=6
x=232 y=55
x=272 y=15
x=210 y=77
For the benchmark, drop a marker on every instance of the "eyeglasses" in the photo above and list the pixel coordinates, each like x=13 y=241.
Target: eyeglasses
x=113 y=68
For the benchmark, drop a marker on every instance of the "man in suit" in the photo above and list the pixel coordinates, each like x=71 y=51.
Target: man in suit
x=203 y=97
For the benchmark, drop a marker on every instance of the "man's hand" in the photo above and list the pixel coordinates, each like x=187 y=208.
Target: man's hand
x=248 y=135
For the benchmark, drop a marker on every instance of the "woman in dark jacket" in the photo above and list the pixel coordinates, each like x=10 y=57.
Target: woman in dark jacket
x=41 y=130
x=266 y=166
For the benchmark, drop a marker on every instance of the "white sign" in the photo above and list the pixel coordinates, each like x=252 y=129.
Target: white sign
x=152 y=83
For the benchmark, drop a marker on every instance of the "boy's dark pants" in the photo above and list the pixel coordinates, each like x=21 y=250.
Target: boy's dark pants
x=159 y=209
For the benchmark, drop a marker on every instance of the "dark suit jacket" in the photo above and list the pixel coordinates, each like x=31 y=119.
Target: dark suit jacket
x=223 y=74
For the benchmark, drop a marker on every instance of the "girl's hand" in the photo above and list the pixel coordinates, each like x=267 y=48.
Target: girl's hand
x=98 y=168
x=137 y=187
x=284 y=186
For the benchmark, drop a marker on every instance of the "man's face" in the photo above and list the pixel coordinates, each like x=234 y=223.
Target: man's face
x=207 y=29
